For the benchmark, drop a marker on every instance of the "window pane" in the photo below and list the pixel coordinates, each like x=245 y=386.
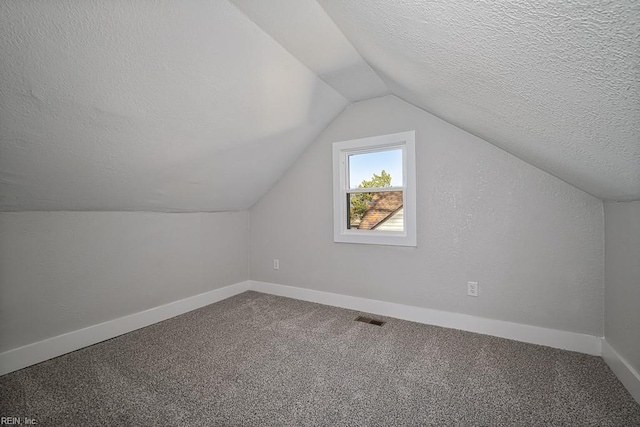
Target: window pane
x=376 y=211
x=365 y=170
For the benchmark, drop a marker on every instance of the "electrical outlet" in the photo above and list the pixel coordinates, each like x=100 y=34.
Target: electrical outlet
x=472 y=289
x=276 y=264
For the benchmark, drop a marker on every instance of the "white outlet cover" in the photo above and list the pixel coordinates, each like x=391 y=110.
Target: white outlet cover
x=472 y=289
x=276 y=264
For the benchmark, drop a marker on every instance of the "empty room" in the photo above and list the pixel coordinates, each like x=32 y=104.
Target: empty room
x=319 y=213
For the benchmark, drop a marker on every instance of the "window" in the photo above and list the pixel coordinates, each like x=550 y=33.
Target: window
x=374 y=193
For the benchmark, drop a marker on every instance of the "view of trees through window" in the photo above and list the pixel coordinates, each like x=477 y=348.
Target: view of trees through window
x=360 y=203
x=374 y=196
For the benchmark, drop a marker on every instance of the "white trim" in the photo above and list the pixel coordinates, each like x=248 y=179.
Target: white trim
x=341 y=186
x=31 y=354
x=374 y=190
x=628 y=376
x=573 y=341
x=40 y=351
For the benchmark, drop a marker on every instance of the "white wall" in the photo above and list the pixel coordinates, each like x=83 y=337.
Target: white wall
x=533 y=242
x=622 y=279
x=63 y=271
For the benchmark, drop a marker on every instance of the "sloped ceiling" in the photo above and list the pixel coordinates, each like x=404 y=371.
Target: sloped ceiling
x=137 y=105
x=305 y=29
x=201 y=105
x=556 y=83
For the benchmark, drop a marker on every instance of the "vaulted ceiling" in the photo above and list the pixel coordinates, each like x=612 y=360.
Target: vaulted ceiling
x=201 y=105
x=556 y=83
x=139 y=105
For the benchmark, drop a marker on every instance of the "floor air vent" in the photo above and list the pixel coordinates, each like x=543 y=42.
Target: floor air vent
x=369 y=320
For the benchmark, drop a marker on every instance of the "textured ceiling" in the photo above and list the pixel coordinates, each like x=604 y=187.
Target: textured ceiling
x=138 y=105
x=556 y=83
x=201 y=105
x=305 y=29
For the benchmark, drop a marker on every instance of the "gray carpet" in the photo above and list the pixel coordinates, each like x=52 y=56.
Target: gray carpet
x=261 y=360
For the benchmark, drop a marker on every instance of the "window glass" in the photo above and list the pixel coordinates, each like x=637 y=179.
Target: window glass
x=364 y=167
x=381 y=211
x=374 y=190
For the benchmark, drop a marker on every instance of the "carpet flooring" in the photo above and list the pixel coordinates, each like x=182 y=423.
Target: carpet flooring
x=261 y=360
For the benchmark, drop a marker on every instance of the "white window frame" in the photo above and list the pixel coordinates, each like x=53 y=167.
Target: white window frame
x=341 y=152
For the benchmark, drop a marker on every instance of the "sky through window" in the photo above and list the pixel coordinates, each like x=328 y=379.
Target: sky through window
x=363 y=166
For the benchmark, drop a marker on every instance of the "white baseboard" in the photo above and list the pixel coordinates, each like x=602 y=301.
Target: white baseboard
x=581 y=343
x=628 y=376
x=31 y=354
x=40 y=351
